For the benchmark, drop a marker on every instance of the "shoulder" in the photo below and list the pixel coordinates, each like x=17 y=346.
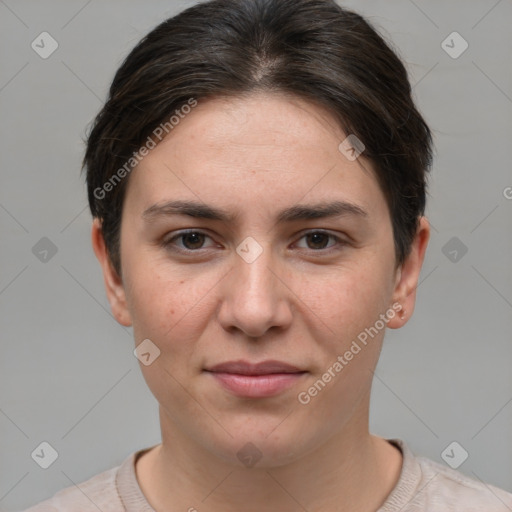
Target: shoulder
x=99 y=492
x=426 y=485
x=445 y=488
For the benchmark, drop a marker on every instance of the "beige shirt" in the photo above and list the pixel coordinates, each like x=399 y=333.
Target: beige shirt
x=423 y=486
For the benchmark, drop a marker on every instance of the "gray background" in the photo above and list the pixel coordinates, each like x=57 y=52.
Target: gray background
x=68 y=375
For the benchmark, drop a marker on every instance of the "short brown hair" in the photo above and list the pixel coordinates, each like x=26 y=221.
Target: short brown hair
x=313 y=49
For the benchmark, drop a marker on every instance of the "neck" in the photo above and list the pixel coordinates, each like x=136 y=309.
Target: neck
x=353 y=471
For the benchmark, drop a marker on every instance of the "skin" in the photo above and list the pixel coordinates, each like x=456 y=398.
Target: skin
x=302 y=301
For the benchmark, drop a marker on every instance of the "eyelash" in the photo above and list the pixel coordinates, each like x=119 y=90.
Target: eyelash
x=168 y=243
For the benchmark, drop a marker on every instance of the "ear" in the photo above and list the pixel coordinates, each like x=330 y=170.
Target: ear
x=113 y=283
x=407 y=277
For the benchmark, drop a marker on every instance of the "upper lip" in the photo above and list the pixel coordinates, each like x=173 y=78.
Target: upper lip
x=246 y=368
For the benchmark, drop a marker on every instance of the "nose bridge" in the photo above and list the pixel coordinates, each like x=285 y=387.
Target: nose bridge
x=253 y=277
x=251 y=300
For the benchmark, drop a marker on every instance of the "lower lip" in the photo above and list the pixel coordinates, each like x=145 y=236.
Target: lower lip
x=257 y=386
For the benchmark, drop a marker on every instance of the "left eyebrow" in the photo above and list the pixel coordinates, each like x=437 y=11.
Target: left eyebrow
x=294 y=213
x=321 y=211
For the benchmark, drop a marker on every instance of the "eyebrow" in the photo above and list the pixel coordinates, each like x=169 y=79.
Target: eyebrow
x=294 y=213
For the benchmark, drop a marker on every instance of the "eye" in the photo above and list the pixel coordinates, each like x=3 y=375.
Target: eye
x=192 y=240
x=318 y=240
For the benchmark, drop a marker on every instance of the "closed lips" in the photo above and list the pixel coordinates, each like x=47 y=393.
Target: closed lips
x=254 y=369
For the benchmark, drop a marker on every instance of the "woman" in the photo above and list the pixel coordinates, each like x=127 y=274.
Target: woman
x=257 y=180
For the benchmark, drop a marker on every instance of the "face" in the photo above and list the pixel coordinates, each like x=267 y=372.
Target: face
x=251 y=274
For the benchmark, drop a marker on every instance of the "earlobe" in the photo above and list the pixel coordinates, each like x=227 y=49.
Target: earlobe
x=113 y=283
x=408 y=276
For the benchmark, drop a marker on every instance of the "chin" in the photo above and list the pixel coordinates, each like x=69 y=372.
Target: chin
x=261 y=444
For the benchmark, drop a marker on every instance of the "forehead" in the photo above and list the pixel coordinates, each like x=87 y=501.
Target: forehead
x=261 y=150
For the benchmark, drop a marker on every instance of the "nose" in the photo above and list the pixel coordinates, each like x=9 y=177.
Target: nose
x=255 y=296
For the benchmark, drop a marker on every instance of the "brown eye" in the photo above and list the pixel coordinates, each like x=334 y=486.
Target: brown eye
x=318 y=240
x=190 y=241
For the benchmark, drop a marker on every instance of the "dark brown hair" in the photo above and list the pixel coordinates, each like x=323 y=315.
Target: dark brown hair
x=313 y=49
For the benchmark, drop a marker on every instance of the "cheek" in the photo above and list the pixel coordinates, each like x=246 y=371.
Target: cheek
x=159 y=305
x=349 y=298
x=349 y=306
x=166 y=305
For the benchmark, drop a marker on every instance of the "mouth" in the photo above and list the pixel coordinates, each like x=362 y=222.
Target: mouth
x=256 y=380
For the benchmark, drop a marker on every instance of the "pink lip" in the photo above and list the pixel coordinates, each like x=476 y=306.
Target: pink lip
x=256 y=380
